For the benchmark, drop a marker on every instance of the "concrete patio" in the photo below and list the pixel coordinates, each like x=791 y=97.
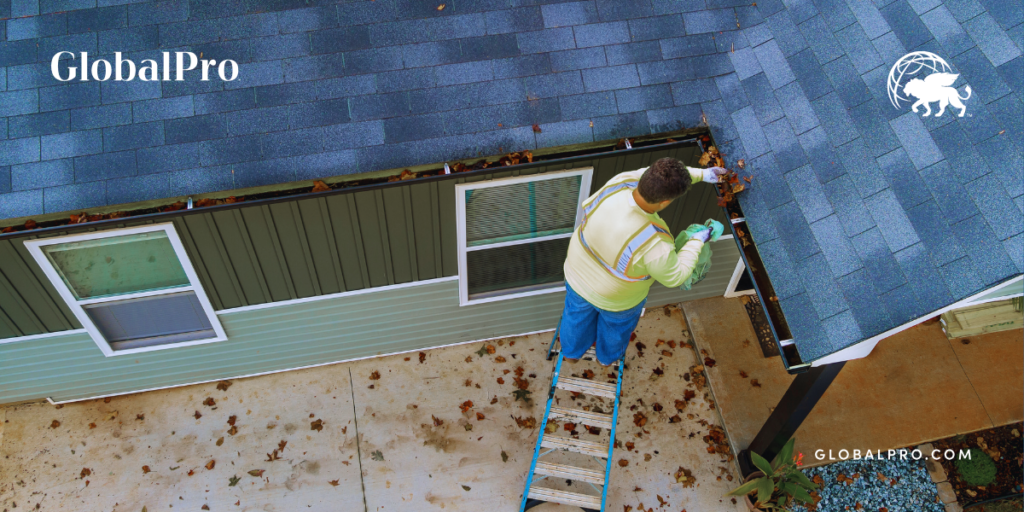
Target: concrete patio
x=916 y=386
x=288 y=441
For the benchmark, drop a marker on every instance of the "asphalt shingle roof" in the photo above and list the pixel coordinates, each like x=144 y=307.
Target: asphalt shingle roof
x=866 y=216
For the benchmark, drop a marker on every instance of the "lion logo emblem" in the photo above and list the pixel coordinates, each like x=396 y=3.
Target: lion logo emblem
x=936 y=86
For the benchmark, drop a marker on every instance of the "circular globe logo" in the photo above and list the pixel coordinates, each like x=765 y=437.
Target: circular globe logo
x=924 y=78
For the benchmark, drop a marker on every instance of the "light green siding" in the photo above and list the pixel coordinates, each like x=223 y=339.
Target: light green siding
x=280 y=337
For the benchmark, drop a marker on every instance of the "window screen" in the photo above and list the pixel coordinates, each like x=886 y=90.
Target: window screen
x=516 y=232
x=154 y=320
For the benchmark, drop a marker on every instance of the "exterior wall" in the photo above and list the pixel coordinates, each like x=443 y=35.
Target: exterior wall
x=308 y=247
x=296 y=334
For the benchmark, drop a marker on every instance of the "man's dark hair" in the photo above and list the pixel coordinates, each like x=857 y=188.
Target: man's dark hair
x=665 y=179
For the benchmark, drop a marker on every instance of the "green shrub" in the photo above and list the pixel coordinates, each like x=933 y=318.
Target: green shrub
x=980 y=469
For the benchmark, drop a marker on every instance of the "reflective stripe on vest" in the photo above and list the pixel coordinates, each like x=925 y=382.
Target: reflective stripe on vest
x=642 y=237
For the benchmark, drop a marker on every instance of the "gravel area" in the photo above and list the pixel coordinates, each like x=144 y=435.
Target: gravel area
x=912 y=490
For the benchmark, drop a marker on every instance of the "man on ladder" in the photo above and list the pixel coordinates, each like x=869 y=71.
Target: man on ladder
x=619 y=246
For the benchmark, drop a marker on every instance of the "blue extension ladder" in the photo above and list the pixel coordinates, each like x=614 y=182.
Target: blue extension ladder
x=533 y=494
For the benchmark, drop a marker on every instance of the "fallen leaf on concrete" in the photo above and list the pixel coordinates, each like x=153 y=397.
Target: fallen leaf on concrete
x=469 y=359
x=92 y=425
x=710 y=363
x=145 y=469
x=468 y=427
x=377 y=455
x=423 y=357
x=685 y=476
x=317 y=425
x=375 y=375
x=224 y=385
x=657 y=407
x=680 y=405
x=233 y=481
x=220 y=441
x=437 y=421
x=501 y=380
x=466 y=488
x=689 y=394
x=209 y=402
x=494 y=400
x=54 y=424
x=272 y=456
x=190 y=472
x=594 y=430
x=569 y=427
x=755 y=383
x=519 y=371
x=333 y=482
x=281 y=445
x=483 y=351
x=499 y=359
x=623 y=463
x=528 y=422
x=666 y=353
x=468 y=383
x=232 y=419
x=521 y=383
x=639 y=419
x=522 y=394
x=197 y=415
x=256 y=473
x=479 y=416
x=211 y=464
x=85 y=472
x=588 y=374
x=675 y=419
x=467 y=405
x=743 y=374
x=140 y=417
x=504 y=456
x=630 y=445
x=204 y=507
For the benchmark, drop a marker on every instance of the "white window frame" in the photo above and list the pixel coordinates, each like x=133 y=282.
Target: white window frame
x=734 y=281
x=586 y=174
x=35 y=248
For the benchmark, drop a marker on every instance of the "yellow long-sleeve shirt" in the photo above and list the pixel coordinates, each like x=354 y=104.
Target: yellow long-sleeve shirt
x=603 y=234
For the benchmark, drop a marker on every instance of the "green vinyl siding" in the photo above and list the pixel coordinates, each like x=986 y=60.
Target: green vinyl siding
x=287 y=336
x=312 y=246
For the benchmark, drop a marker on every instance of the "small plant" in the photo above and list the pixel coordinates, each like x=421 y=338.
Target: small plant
x=980 y=469
x=782 y=484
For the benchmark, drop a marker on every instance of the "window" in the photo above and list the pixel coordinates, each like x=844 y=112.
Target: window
x=134 y=290
x=514 y=233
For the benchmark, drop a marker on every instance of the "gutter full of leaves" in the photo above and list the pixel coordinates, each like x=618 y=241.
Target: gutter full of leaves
x=728 y=187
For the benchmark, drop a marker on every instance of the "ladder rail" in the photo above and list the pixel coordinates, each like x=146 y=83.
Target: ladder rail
x=611 y=441
x=543 y=424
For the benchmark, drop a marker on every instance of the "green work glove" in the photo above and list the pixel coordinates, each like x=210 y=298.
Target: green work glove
x=716 y=229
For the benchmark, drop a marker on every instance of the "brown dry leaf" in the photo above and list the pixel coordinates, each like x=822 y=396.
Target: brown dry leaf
x=623 y=463
x=536 y=128
x=710 y=363
x=437 y=421
x=209 y=402
x=333 y=482
x=479 y=416
x=375 y=375
x=85 y=472
x=680 y=405
x=54 y=424
x=494 y=400
x=145 y=469
x=233 y=430
x=499 y=359
x=743 y=374
x=317 y=425
x=521 y=383
x=689 y=394
x=657 y=407
x=320 y=186
x=755 y=383
x=519 y=371
x=406 y=175
x=675 y=419
x=666 y=353
x=528 y=422
x=569 y=427
x=204 y=507
x=140 y=417
x=197 y=415
x=211 y=464
x=220 y=441
x=256 y=473
x=467 y=405
x=685 y=476
x=491 y=349
x=588 y=374
x=232 y=419
x=469 y=359
x=639 y=419
x=423 y=357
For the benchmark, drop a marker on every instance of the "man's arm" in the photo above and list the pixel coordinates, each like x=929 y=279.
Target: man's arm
x=668 y=266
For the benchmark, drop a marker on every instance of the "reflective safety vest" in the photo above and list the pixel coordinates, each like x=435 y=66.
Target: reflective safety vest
x=616 y=245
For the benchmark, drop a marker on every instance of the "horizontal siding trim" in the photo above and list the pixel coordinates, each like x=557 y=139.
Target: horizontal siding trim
x=256 y=307
x=42 y=336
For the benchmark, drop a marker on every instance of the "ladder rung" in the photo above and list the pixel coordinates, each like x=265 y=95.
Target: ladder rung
x=594 y=476
x=575 y=445
x=587 y=387
x=566 y=498
x=594 y=419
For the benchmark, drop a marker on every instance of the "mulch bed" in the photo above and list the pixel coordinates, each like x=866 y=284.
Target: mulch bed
x=1004 y=445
